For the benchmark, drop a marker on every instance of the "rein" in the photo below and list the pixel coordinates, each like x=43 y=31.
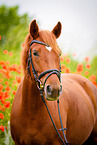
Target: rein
x=41 y=87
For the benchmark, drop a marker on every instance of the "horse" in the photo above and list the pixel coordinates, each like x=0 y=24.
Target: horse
x=44 y=88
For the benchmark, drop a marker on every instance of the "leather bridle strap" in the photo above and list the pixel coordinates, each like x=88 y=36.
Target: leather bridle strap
x=37 y=79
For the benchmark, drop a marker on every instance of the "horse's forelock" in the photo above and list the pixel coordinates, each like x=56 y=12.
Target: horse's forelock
x=49 y=38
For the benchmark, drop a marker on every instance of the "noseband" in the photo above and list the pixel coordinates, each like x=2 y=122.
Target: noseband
x=41 y=86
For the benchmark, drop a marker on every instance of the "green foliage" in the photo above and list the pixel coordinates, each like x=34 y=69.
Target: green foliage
x=94 y=66
x=11 y=22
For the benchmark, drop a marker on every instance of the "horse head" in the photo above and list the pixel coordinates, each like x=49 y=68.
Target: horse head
x=44 y=57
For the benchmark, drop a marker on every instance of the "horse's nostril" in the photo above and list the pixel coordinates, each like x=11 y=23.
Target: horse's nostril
x=49 y=90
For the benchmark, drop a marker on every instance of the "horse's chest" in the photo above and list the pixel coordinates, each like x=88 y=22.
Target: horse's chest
x=37 y=132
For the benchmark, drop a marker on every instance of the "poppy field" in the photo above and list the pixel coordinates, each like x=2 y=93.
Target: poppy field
x=11 y=76
x=10 y=67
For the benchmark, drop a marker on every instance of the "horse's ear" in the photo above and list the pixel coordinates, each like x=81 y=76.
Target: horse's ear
x=34 y=29
x=57 y=29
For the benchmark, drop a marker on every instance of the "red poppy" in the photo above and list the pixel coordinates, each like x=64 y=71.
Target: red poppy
x=7 y=62
x=8 y=89
x=1 y=86
x=88 y=66
x=92 y=77
x=94 y=82
x=7 y=104
x=74 y=54
x=14 y=92
x=1 y=94
x=68 y=60
x=6 y=83
x=6 y=95
x=18 y=78
x=80 y=67
x=18 y=71
x=0 y=37
x=87 y=59
x=2 y=100
x=86 y=73
x=1 y=80
x=5 y=51
x=14 y=67
x=2 y=62
x=61 y=58
x=2 y=128
x=67 y=70
x=1 y=107
x=10 y=53
x=1 y=116
x=4 y=66
x=63 y=67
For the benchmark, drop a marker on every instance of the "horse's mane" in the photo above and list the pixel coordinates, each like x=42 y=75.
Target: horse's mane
x=47 y=37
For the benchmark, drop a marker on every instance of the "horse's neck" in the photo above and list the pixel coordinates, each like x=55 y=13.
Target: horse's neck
x=30 y=95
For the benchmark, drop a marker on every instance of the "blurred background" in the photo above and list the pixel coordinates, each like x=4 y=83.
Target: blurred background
x=78 y=18
x=78 y=42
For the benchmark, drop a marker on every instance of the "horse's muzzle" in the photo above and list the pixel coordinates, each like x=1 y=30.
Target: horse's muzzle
x=53 y=92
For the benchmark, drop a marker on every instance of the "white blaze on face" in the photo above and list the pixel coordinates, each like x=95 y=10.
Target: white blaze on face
x=48 y=48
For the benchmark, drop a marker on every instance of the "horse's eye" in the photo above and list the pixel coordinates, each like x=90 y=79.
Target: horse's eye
x=35 y=53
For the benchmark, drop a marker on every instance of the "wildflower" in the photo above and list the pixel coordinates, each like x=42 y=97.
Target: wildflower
x=94 y=82
x=68 y=60
x=2 y=100
x=67 y=70
x=14 y=92
x=10 y=53
x=19 y=67
x=86 y=73
x=0 y=37
x=80 y=67
x=1 y=94
x=74 y=54
x=61 y=58
x=88 y=66
x=5 y=51
x=4 y=66
x=6 y=83
x=8 y=89
x=63 y=67
x=7 y=62
x=7 y=104
x=14 y=82
x=87 y=59
x=2 y=62
x=18 y=71
x=1 y=86
x=2 y=128
x=1 y=107
x=92 y=77
x=1 y=80
x=1 y=116
x=18 y=78
x=14 y=67
x=6 y=95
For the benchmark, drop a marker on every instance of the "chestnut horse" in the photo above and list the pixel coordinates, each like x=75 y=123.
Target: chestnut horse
x=30 y=121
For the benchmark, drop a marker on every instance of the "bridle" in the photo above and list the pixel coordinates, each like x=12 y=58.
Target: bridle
x=49 y=72
x=41 y=86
